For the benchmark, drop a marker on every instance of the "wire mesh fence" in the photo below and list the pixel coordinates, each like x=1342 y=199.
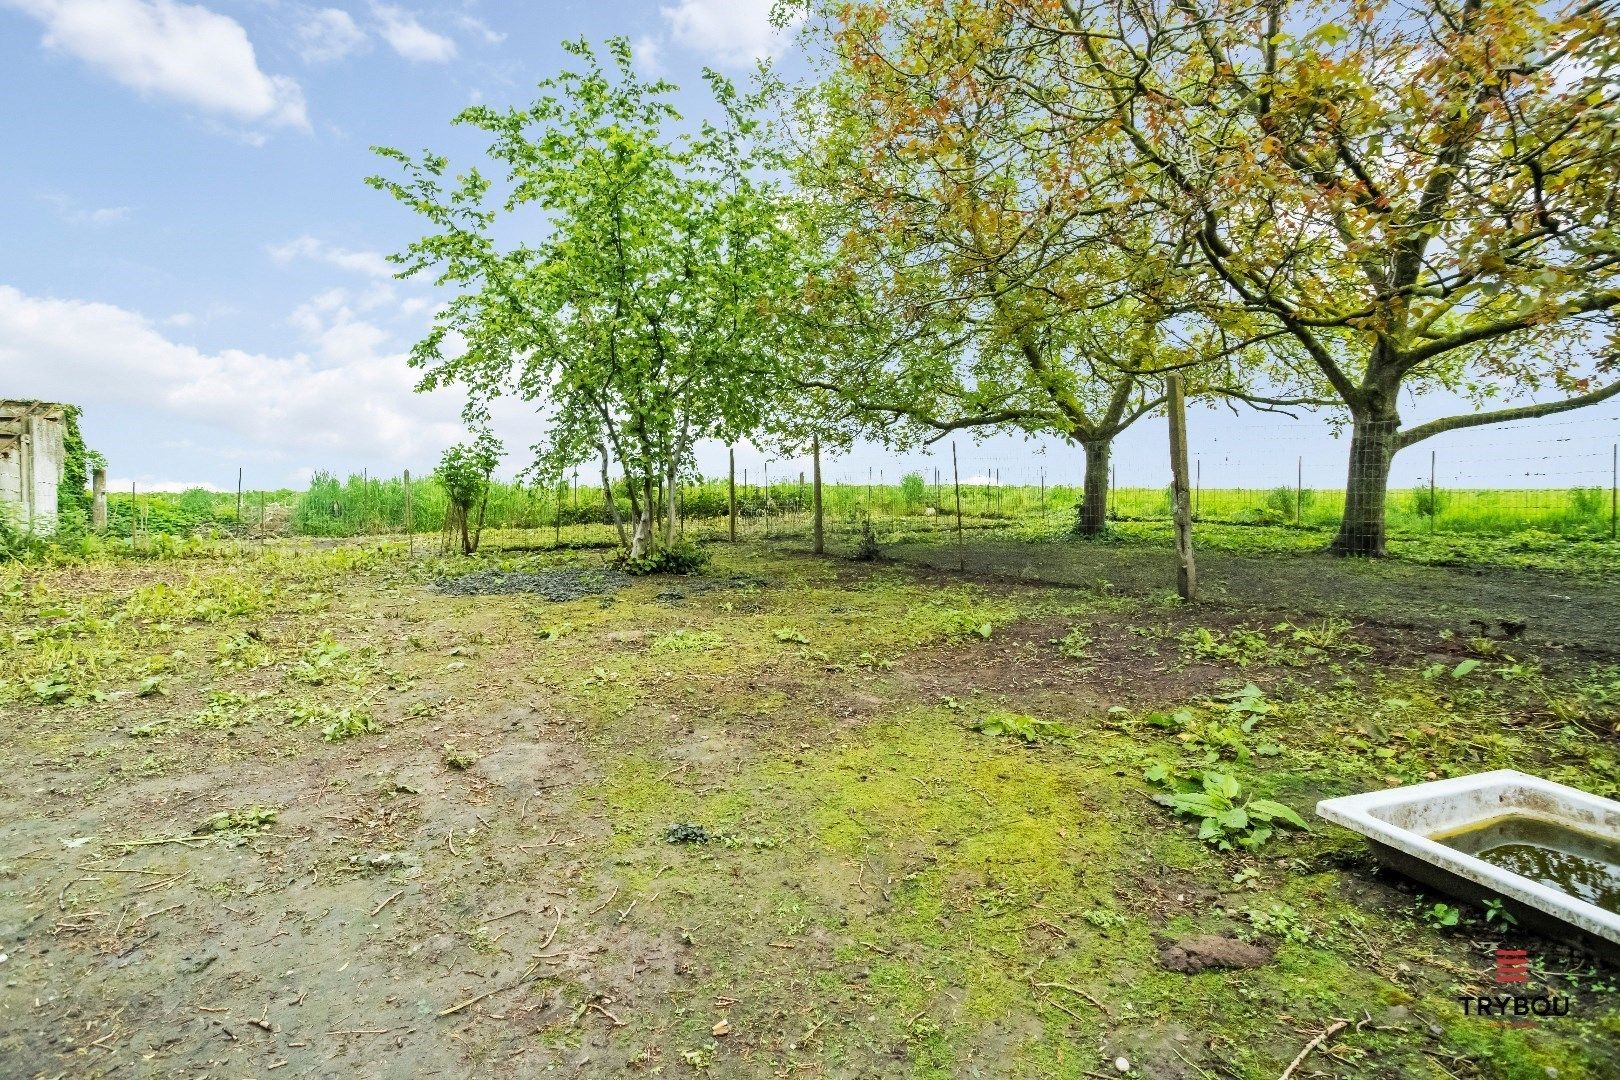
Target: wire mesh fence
x=1565 y=484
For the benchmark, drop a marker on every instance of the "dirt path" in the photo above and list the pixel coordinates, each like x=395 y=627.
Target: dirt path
x=1555 y=610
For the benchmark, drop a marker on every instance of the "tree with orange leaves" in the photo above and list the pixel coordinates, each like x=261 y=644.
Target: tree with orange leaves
x=996 y=278
x=1411 y=196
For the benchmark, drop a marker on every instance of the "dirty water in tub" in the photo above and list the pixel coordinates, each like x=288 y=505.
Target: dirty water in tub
x=1575 y=862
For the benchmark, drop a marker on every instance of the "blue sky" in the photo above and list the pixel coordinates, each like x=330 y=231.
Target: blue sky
x=191 y=254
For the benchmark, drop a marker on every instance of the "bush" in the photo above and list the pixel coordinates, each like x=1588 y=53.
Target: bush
x=464 y=473
x=1588 y=502
x=913 y=489
x=869 y=550
x=1428 y=502
x=1261 y=515
x=1283 y=500
x=683 y=557
x=15 y=542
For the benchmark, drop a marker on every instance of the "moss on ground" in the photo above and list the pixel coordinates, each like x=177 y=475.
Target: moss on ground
x=927 y=844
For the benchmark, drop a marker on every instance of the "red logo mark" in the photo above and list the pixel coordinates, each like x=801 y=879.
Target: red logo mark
x=1512 y=966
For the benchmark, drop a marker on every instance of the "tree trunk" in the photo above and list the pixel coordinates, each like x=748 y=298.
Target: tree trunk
x=670 y=509
x=1372 y=450
x=646 y=513
x=607 y=493
x=1094 y=503
x=641 y=536
x=640 y=533
x=818 y=537
x=478 y=532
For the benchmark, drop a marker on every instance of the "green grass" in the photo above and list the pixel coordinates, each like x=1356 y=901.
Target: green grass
x=361 y=505
x=888 y=887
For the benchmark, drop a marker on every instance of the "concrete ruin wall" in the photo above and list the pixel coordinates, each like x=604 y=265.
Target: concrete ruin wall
x=32 y=461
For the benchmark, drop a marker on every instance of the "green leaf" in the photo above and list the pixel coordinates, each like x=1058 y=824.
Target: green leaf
x=1201 y=805
x=1267 y=809
x=1464 y=668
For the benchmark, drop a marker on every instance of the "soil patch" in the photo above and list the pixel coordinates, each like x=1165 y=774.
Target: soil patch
x=555 y=585
x=1192 y=955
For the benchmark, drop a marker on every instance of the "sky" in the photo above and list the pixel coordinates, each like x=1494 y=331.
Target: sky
x=192 y=256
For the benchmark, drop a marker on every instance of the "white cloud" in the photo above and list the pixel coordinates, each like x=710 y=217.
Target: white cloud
x=370 y=263
x=73 y=214
x=177 y=50
x=357 y=400
x=105 y=215
x=328 y=320
x=328 y=34
x=480 y=28
x=409 y=38
x=647 y=52
x=146 y=485
x=735 y=32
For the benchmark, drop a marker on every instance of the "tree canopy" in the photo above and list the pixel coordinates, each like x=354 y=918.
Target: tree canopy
x=645 y=317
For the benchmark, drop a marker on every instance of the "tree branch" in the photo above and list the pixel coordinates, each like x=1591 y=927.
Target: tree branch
x=1501 y=416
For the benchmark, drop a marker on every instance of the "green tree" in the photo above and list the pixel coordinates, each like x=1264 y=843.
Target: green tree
x=993 y=279
x=1419 y=196
x=464 y=473
x=913 y=489
x=643 y=319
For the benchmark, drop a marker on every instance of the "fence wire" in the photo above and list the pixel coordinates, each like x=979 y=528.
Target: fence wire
x=1496 y=481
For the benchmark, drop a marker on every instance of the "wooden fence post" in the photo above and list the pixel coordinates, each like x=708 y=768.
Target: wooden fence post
x=818 y=536
x=1186 y=568
x=956 y=481
x=98 y=501
x=410 y=536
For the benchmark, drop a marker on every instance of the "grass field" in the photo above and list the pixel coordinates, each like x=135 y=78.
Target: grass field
x=364 y=505
x=335 y=809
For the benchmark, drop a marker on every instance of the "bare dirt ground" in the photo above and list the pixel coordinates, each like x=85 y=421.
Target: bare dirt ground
x=329 y=812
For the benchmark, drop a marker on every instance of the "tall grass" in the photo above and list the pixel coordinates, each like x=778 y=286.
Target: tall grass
x=361 y=505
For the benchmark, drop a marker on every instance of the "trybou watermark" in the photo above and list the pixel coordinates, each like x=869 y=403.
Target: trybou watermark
x=1510 y=1003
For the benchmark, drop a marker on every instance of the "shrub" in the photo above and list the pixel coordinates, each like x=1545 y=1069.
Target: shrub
x=913 y=489
x=684 y=557
x=1588 y=502
x=1428 y=502
x=869 y=550
x=464 y=473
x=1283 y=499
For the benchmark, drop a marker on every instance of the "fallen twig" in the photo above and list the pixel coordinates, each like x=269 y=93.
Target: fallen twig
x=508 y=915
x=616 y=1021
x=159 y=911
x=554 y=927
x=1333 y=1029
x=385 y=903
x=452 y=1010
x=1077 y=992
